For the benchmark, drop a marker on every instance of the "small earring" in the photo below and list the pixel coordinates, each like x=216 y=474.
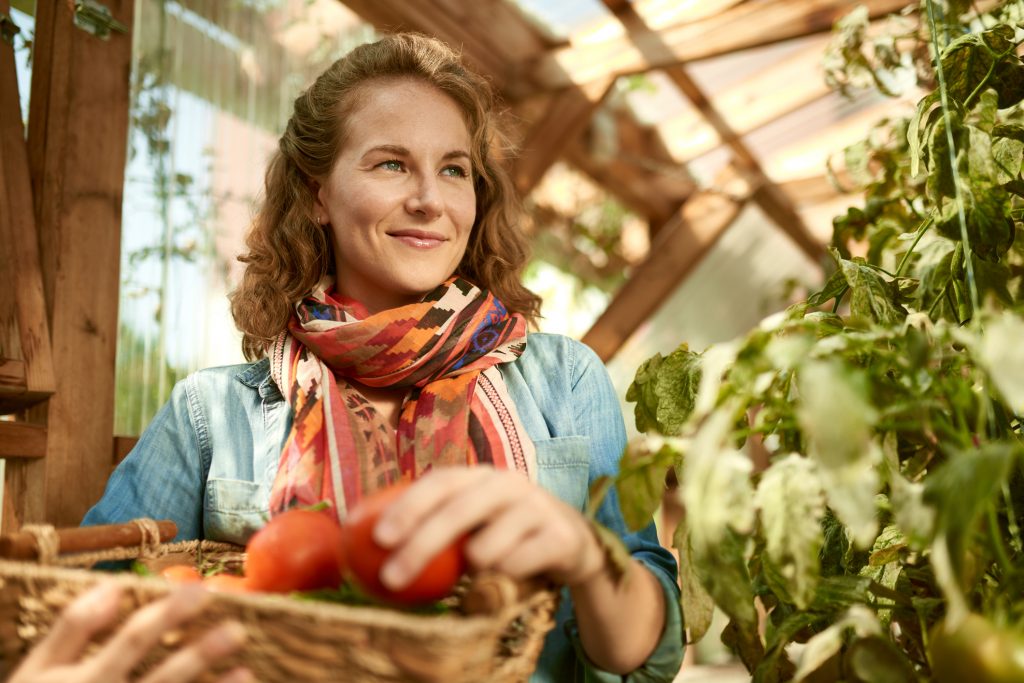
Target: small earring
x=321 y=221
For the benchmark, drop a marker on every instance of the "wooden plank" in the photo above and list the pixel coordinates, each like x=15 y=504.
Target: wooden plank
x=746 y=25
x=123 y=445
x=22 y=440
x=78 y=141
x=24 y=334
x=678 y=248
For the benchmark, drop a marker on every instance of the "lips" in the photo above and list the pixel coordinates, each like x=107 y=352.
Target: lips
x=420 y=239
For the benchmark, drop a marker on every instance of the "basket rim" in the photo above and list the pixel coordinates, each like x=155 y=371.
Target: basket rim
x=269 y=604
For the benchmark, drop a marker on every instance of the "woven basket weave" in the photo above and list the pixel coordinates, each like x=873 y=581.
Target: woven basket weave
x=293 y=641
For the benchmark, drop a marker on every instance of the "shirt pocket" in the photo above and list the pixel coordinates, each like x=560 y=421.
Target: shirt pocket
x=563 y=468
x=234 y=509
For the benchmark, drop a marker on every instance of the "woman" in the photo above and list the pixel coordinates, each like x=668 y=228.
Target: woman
x=382 y=299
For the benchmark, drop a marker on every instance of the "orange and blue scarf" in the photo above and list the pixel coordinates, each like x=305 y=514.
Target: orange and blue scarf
x=444 y=351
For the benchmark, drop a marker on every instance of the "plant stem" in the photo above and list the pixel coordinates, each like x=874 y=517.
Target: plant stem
x=996 y=58
x=957 y=181
x=839 y=299
x=917 y=238
x=1011 y=515
x=997 y=540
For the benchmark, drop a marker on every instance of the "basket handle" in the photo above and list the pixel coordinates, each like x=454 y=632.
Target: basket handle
x=25 y=545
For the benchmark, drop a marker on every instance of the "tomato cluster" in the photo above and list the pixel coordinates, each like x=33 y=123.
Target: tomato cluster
x=301 y=550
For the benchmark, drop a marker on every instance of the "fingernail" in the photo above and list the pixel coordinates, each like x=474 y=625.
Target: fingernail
x=385 y=533
x=231 y=634
x=393 y=576
x=101 y=595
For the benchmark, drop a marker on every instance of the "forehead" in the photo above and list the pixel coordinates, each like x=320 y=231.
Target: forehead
x=408 y=113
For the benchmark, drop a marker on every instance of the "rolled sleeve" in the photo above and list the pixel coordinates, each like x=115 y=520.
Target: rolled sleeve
x=599 y=416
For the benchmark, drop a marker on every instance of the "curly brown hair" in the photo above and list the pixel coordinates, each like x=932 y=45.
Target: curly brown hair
x=289 y=252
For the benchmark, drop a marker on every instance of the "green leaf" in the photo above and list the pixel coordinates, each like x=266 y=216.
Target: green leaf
x=962 y=489
x=875 y=659
x=914 y=130
x=640 y=483
x=665 y=390
x=697 y=605
x=792 y=506
x=722 y=569
x=967 y=59
x=871 y=296
x=1008 y=155
x=834 y=286
x=837 y=418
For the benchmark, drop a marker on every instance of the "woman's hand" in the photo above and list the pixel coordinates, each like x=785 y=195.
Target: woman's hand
x=515 y=527
x=58 y=658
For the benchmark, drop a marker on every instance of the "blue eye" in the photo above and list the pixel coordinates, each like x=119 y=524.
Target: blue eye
x=455 y=172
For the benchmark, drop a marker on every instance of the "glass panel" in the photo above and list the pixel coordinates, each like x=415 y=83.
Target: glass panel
x=212 y=87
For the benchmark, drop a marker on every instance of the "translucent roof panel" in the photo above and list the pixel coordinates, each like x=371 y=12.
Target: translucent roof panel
x=565 y=17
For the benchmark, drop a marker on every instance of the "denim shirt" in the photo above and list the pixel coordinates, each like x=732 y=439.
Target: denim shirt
x=209 y=457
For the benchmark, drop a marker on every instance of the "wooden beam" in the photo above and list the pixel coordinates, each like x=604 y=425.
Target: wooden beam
x=642 y=173
x=123 y=445
x=469 y=27
x=771 y=200
x=78 y=133
x=746 y=25
x=26 y=367
x=676 y=251
x=564 y=118
x=22 y=440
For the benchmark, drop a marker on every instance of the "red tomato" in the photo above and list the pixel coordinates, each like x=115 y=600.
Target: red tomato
x=227 y=583
x=365 y=558
x=181 y=573
x=297 y=550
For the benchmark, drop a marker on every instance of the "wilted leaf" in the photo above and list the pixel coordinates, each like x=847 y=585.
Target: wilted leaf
x=1000 y=351
x=1008 y=155
x=827 y=643
x=723 y=572
x=837 y=418
x=914 y=140
x=792 y=505
x=835 y=285
x=641 y=479
x=696 y=603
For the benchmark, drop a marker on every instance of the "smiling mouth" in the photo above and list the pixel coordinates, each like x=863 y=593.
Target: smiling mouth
x=419 y=239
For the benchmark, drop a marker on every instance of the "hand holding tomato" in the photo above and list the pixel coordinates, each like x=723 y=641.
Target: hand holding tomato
x=297 y=550
x=365 y=557
x=513 y=526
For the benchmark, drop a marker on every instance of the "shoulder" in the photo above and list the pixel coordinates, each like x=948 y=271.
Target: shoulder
x=554 y=355
x=248 y=381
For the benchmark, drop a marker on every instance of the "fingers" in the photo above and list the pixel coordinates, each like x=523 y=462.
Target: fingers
x=450 y=509
x=195 y=658
x=88 y=614
x=144 y=628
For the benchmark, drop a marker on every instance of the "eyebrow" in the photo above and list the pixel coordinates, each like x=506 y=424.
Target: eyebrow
x=402 y=151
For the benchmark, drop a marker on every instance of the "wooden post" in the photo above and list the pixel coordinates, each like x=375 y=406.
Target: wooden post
x=78 y=134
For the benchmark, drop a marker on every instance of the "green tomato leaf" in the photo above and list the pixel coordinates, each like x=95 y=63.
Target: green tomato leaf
x=792 y=506
x=871 y=296
x=665 y=390
x=914 y=139
x=1008 y=155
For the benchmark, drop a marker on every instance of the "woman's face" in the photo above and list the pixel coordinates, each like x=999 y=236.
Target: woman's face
x=400 y=198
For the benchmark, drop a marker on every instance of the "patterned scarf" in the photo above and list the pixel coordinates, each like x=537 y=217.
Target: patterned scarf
x=443 y=350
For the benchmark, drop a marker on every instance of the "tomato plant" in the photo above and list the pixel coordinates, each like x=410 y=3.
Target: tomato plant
x=887 y=409
x=365 y=558
x=297 y=550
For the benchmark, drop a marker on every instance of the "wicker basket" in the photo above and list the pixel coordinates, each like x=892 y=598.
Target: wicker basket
x=292 y=641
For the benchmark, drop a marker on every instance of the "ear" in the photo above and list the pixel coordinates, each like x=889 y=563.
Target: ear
x=319 y=202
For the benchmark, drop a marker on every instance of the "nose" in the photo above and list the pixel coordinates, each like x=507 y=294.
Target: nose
x=425 y=198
